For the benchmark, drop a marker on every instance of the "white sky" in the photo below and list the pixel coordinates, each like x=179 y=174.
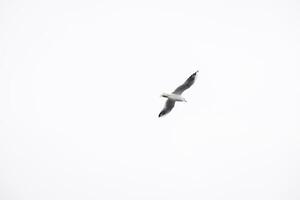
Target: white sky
x=79 y=98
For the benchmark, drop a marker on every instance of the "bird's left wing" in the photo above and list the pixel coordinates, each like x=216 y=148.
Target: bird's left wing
x=168 y=107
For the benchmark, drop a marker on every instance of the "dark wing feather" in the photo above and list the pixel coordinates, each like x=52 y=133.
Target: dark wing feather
x=168 y=107
x=187 y=84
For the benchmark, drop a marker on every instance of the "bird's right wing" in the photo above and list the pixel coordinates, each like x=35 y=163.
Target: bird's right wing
x=168 y=107
x=187 y=84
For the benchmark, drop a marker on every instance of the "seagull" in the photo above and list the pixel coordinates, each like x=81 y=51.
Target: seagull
x=176 y=95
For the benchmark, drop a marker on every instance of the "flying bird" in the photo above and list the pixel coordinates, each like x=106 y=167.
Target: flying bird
x=176 y=95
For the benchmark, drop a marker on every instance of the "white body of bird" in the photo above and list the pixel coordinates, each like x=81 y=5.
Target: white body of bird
x=174 y=97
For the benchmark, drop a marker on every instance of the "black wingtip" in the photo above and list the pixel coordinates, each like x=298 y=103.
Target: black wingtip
x=194 y=74
x=162 y=113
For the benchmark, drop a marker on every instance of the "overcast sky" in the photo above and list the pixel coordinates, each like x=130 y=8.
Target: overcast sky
x=80 y=85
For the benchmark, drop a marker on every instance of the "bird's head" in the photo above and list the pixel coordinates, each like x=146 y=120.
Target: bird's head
x=164 y=95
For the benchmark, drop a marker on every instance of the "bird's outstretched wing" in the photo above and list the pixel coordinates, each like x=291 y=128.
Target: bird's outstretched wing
x=168 y=107
x=187 y=84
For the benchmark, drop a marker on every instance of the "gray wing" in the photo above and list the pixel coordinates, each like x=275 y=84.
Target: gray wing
x=168 y=107
x=187 y=84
